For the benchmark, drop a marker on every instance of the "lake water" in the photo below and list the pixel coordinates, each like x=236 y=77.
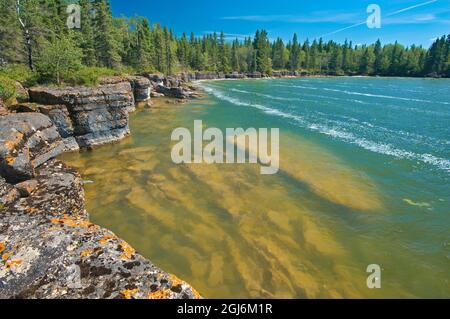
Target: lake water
x=364 y=179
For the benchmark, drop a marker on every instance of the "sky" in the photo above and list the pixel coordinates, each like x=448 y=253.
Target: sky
x=408 y=21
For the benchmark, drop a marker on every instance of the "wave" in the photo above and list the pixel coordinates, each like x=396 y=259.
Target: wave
x=365 y=94
x=385 y=96
x=338 y=133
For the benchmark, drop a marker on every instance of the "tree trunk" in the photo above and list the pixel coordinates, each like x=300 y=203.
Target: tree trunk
x=27 y=36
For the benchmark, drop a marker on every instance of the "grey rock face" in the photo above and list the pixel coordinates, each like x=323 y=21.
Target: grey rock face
x=27 y=140
x=95 y=115
x=141 y=88
x=50 y=249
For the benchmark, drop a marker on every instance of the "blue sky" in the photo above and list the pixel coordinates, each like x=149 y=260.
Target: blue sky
x=408 y=21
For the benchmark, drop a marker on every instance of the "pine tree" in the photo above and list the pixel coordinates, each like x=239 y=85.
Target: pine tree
x=106 y=46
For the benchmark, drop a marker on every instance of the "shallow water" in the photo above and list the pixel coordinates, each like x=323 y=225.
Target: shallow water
x=363 y=179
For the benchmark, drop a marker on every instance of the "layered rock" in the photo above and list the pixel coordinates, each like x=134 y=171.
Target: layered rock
x=97 y=115
x=50 y=249
x=27 y=140
x=141 y=88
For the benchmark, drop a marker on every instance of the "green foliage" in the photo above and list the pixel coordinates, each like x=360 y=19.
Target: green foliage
x=59 y=60
x=7 y=89
x=131 y=45
x=20 y=73
x=88 y=76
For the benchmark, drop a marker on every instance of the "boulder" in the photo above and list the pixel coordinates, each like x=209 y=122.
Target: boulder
x=235 y=75
x=27 y=140
x=8 y=194
x=254 y=75
x=21 y=92
x=174 y=92
x=26 y=188
x=206 y=75
x=98 y=115
x=51 y=250
x=141 y=88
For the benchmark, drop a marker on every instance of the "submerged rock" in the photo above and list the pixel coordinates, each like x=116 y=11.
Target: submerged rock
x=50 y=249
x=27 y=140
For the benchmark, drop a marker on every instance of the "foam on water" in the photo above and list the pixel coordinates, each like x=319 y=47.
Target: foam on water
x=339 y=132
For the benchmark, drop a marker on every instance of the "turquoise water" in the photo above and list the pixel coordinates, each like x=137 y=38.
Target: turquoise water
x=364 y=179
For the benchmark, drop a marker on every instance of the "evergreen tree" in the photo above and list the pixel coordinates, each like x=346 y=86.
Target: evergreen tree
x=106 y=45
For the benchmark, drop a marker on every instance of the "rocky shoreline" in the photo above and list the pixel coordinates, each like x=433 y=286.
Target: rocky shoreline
x=48 y=246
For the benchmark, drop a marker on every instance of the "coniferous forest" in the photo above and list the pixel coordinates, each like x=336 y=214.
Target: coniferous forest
x=33 y=33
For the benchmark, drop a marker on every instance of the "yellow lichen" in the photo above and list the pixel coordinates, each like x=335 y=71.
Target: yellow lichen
x=13 y=263
x=177 y=282
x=105 y=239
x=129 y=293
x=160 y=294
x=6 y=256
x=127 y=250
x=2 y=246
x=86 y=253
x=72 y=222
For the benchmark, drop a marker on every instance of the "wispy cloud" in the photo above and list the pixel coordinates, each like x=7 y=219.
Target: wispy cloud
x=415 y=19
x=405 y=20
x=314 y=17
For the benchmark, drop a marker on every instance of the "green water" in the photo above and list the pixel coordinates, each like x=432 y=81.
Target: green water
x=364 y=179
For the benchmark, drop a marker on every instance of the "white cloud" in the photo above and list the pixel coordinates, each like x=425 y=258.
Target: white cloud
x=314 y=17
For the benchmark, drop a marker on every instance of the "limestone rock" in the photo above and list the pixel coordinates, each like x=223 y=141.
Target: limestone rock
x=141 y=88
x=27 y=140
x=98 y=115
x=8 y=194
x=27 y=187
x=51 y=250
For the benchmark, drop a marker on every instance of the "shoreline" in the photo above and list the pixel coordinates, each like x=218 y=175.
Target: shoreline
x=49 y=248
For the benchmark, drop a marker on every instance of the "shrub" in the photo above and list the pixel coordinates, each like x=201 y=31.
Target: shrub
x=20 y=73
x=89 y=76
x=59 y=60
x=7 y=89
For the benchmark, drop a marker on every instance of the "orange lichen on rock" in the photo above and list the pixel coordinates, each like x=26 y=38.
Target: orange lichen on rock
x=72 y=222
x=105 y=239
x=129 y=293
x=127 y=250
x=2 y=246
x=14 y=141
x=13 y=263
x=87 y=252
x=160 y=294
x=6 y=256
x=178 y=282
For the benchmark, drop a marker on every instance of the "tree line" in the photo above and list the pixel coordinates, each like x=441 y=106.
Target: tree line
x=34 y=32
